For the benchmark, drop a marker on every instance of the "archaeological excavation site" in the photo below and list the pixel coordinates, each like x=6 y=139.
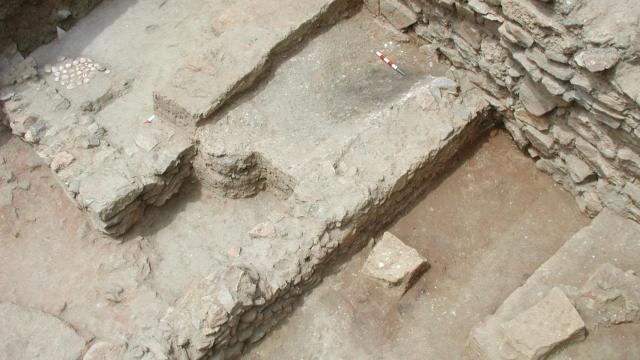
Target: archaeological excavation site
x=319 y=179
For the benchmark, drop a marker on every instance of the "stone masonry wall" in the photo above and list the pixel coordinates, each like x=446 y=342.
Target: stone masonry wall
x=565 y=75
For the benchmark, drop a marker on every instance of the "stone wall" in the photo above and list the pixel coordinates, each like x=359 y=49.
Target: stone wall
x=565 y=75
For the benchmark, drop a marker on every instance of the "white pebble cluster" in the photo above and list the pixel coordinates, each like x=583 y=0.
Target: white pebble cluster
x=72 y=73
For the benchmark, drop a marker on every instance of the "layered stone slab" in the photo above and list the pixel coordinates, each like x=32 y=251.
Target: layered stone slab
x=585 y=261
x=248 y=35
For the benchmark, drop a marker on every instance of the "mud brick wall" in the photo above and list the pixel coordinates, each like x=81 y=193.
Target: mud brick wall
x=565 y=74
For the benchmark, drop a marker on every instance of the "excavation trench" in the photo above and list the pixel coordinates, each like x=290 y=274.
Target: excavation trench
x=298 y=156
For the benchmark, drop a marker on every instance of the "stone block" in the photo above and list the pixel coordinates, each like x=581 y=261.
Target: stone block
x=399 y=15
x=578 y=169
x=535 y=98
x=539 y=330
x=541 y=141
x=395 y=263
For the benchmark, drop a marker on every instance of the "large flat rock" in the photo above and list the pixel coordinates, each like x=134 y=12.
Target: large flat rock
x=248 y=34
x=609 y=242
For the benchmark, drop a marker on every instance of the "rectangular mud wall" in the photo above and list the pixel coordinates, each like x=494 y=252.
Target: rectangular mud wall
x=565 y=75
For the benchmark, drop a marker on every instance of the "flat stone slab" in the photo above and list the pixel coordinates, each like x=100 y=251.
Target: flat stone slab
x=31 y=334
x=608 y=240
x=248 y=34
x=395 y=263
x=539 y=330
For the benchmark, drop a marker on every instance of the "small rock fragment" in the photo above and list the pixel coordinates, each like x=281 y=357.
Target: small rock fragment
x=395 y=263
x=263 y=230
x=61 y=161
x=597 y=60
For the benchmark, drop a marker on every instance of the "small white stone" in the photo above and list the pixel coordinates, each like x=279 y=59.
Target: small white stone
x=47 y=69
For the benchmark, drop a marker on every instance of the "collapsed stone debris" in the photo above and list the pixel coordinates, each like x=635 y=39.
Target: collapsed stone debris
x=395 y=263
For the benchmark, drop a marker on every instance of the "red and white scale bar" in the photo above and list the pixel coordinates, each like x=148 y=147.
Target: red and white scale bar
x=390 y=63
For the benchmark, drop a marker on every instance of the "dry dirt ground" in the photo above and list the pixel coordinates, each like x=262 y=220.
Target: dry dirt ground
x=491 y=222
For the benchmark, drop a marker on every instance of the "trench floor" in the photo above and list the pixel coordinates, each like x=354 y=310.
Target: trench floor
x=485 y=228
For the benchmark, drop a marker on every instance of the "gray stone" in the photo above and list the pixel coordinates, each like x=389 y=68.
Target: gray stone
x=541 y=141
x=399 y=15
x=633 y=191
x=597 y=59
x=516 y=34
x=559 y=71
x=630 y=160
x=440 y=84
x=395 y=263
x=627 y=78
x=538 y=122
x=535 y=98
x=578 y=169
x=539 y=330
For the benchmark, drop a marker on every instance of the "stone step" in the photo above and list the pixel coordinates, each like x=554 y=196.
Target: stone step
x=610 y=246
x=248 y=35
x=345 y=143
x=108 y=158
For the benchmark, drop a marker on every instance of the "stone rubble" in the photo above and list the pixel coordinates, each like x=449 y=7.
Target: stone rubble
x=396 y=264
x=554 y=60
